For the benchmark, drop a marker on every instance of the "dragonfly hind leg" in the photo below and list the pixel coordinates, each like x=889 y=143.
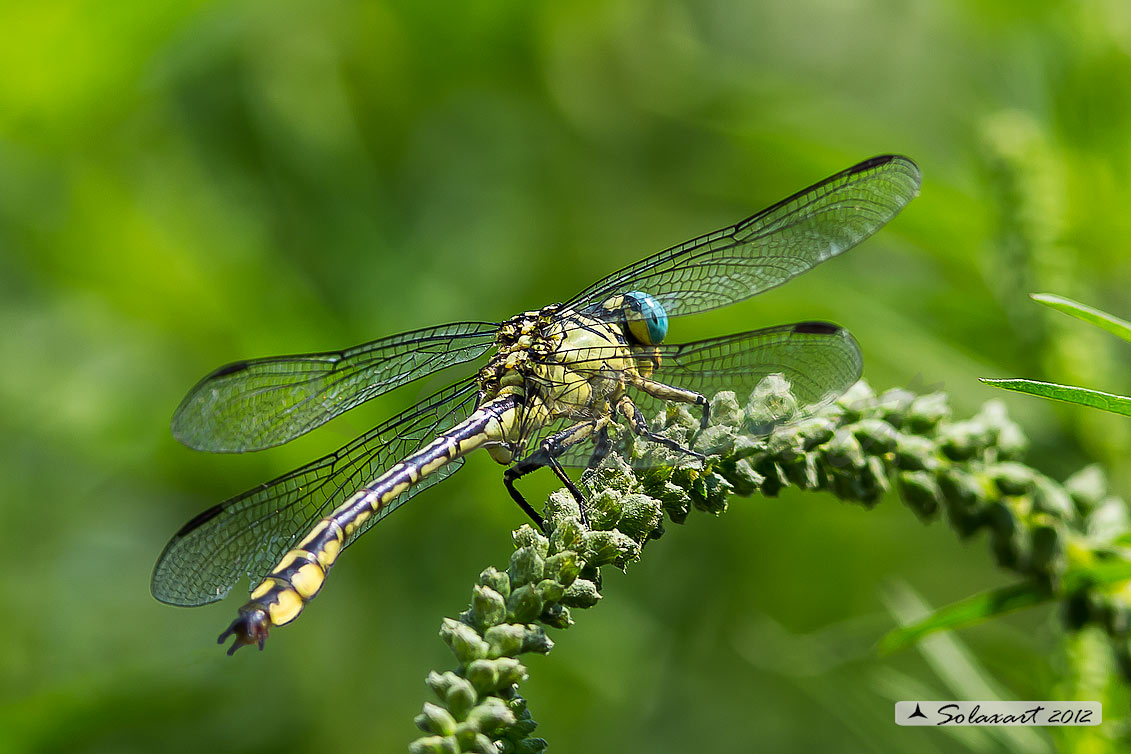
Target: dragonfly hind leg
x=639 y=425
x=547 y=455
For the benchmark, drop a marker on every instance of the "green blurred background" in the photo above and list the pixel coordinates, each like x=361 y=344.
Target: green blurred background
x=185 y=184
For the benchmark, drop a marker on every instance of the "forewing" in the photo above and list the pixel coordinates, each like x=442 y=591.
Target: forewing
x=251 y=405
x=771 y=247
x=248 y=534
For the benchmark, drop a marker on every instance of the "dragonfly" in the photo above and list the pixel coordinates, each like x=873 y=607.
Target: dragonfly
x=558 y=386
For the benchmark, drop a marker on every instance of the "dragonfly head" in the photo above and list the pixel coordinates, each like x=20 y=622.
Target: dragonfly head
x=645 y=318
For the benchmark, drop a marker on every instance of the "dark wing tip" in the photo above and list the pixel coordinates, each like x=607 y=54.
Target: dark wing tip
x=817 y=328
x=906 y=165
x=199 y=520
x=224 y=371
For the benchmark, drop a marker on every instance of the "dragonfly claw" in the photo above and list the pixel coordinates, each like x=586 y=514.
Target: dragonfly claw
x=250 y=628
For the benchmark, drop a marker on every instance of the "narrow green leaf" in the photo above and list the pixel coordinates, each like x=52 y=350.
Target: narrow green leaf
x=1113 y=325
x=1117 y=404
x=964 y=613
x=987 y=605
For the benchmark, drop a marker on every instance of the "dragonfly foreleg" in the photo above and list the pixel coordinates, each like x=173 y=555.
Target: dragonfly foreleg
x=547 y=455
x=639 y=425
x=674 y=395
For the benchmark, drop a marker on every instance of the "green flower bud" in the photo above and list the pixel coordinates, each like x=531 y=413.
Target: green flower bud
x=465 y=643
x=744 y=480
x=1050 y=497
x=640 y=515
x=876 y=437
x=774 y=479
x=725 y=409
x=603 y=547
x=1011 y=441
x=490 y=715
x=511 y=671
x=493 y=578
x=465 y=735
x=873 y=482
x=557 y=616
x=527 y=536
x=534 y=639
x=1108 y=520
x=440 y=683
x=816 y=430
x=746 y=446
x=965 y=498
x=569 y=534
x=844 y=450
x=524 y=604
x=920 y=492
x=488 y=607
x=710 y=493
x=1012 y=478
x=563 y=567
x=857 y=401
x=715 y=440
x=804 y=471
x=526 y=566
x=962 y=441
x=560 y=505
x=1048 y=550
x=915 y=453
x=484 y=676
x=785 y=443
x=531 y=746
x=604 y=510
x=894 y=404
x=675 y=501
x=460 y=698
x=1008 y=538
x=926 y=412
x=435 y=719
x=434 y=745
x=1087 y=487
x=504 y=639
x=550 y=591
x=581 y=593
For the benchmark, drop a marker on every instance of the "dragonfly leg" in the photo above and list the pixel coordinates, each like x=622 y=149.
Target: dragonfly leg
x=601 y=449
x=547 y=455
x=640 y=426
x=674 y=395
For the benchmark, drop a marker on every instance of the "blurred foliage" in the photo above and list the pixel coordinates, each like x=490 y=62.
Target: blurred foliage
x=184 y=184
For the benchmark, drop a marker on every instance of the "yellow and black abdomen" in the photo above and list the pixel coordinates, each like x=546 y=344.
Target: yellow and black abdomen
x=301 y=572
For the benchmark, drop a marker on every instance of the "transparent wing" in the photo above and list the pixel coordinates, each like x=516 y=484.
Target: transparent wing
x=251 y=405
x=248 y=534
x=820 y=361
x=771 y=247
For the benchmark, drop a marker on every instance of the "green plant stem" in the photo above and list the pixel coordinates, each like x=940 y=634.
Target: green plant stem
x=858 y=448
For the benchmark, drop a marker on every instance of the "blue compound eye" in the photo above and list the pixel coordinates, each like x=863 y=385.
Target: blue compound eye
x=646 y=318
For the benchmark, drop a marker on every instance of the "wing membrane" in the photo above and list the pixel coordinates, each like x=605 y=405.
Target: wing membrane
x=820 y=361
x=251 y=405
x=249 y=533
x=771 y=247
